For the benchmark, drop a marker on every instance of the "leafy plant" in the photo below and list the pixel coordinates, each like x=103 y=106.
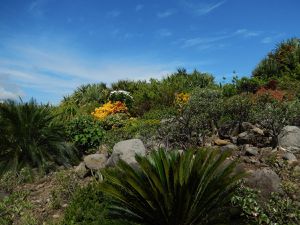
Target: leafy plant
x=85 y=132
x=89 y=207
x=12 y=207
x=169 y=188
x=30 y=138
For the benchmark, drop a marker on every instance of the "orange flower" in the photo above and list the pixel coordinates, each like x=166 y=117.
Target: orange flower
x=109 y=108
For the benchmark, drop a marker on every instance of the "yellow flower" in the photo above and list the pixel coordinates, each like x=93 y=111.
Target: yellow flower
x=182 y=99
x=109 y=108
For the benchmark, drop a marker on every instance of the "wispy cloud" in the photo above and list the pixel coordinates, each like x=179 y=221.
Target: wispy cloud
x=139 y=7
x=114 y=13
x=215 y=41
x=166 y=13
x=273 y=38
x=57 y=73
x=202 y=8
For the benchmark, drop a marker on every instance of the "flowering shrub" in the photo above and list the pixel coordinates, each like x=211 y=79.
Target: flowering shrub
x=182 y=99
x=122 y=96
x=272 y=94
x=109 y=108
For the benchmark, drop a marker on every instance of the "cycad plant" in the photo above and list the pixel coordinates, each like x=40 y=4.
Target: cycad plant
x=168 y=188
x=30 y=138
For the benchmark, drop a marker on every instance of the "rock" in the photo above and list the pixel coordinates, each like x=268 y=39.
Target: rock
x=229 y=130
x=251 y=151
x=246 y=126
x=81 y=170
x=289 y=157
x=56 y=216
x=258 y=131
x=229 y=147
x=296 y=172
x=221 y=142
x=126 y=150
x=289 y=138
x=265 y=180
x=95 y=161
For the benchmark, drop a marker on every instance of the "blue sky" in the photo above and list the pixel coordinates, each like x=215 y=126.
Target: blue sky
x=49 y=47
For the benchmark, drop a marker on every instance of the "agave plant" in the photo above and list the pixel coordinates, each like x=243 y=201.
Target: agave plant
x=172 y=188
x=30 y=138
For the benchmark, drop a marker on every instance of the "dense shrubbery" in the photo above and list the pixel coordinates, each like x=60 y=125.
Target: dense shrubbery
x=85 y=132
x=30 y=138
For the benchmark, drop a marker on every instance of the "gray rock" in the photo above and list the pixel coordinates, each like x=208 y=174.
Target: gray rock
x=229 y=147
x=289 y=157
x=265 y=180
x=289 y=138
x=126 y=150
x=246 y=126
x=81 y=170
x=251 y=151
x=95 y=161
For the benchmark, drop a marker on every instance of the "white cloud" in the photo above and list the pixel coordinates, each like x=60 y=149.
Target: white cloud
x=167 y=13
x=202 y=8
x=214 y=41
x=8 y=90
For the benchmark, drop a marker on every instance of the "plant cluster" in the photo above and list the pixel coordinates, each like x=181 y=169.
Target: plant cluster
x=109 y=108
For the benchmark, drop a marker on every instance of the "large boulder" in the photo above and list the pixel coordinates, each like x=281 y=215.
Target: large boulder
x=95 y=161
x=289 y=138
x=265 y=180
x=126 y=150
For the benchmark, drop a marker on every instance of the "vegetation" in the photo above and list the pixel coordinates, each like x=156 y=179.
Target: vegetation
x=184 y=110
x=198 y=186
x=30 y=138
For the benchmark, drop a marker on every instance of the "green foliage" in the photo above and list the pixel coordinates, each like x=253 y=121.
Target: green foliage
x=160 y=113
x=89 y=207
x=248 y=85
x=66 y=183
x=238 y=107
x=114 y=121
x=284 y=60
x=85 y=132
x=145 y=129
x=274 y=115
x=13 y=206
x=280 y=209
x=229 y=90
x=30 y=138
x=10 y=180
x=169 y=188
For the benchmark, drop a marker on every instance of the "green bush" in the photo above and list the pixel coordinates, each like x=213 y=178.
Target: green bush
x=89 y=207
x=283 y=61
x=85 y=132
x=122 y=96
x=274 y=115
x=30 y=137
x=170 y=188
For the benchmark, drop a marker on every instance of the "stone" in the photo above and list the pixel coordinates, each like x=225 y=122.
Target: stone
x=258 y=131
x=265 y=180
x=221 y=142
x=95 y=161
x=126 y=150
x=251 y=151
x=289 y=139
x=246 y=126
x=81 y=170
x=290 y=157
x=296 y=172
x=229 y=147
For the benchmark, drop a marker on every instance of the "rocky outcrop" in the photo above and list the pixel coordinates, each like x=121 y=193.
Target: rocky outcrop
x=126 y=150
x=289 y=139
x=265 y=180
